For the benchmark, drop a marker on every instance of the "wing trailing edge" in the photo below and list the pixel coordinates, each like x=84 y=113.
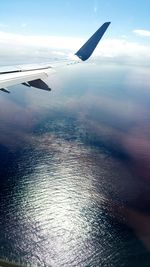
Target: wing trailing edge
x=87 y=49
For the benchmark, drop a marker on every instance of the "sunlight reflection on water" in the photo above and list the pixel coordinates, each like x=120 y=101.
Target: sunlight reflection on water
x=66 y=197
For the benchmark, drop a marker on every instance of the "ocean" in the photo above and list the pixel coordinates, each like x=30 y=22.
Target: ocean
x=74 y=169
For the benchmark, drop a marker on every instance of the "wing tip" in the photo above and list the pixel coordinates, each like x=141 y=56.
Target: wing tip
x=88 y=48
x=107 y=22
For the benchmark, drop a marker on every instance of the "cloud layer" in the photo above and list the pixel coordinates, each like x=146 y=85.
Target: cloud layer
x=142 y=32
x=18 y=45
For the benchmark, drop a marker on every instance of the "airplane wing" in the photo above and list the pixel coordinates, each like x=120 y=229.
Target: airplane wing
x=35 y=76
x=29 y=76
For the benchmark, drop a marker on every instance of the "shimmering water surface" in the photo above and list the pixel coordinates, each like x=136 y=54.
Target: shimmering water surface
x=74 y=180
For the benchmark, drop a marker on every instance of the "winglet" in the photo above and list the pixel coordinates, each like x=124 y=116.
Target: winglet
x=87 y=49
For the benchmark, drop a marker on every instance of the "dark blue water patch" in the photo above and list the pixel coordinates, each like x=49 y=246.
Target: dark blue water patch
x=8 y=160
x=70 y=128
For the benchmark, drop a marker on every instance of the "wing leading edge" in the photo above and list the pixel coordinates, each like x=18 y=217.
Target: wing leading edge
x=35 y=76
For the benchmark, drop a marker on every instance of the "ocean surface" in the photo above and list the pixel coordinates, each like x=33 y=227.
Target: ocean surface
x=74 y=169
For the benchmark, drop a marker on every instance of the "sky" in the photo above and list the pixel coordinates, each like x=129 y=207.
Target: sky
x=73 y=18
x=66 y=24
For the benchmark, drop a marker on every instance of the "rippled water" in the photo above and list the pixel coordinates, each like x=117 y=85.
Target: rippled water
x=70 y=192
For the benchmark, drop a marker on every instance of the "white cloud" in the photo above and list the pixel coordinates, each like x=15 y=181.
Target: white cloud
x=40 y=41
x=142 y=32
x=122 y=47
x=15 y=45
x=124 y=51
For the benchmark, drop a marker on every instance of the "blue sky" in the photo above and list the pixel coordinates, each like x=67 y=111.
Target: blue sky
x=128 y=37
x=72 y=17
